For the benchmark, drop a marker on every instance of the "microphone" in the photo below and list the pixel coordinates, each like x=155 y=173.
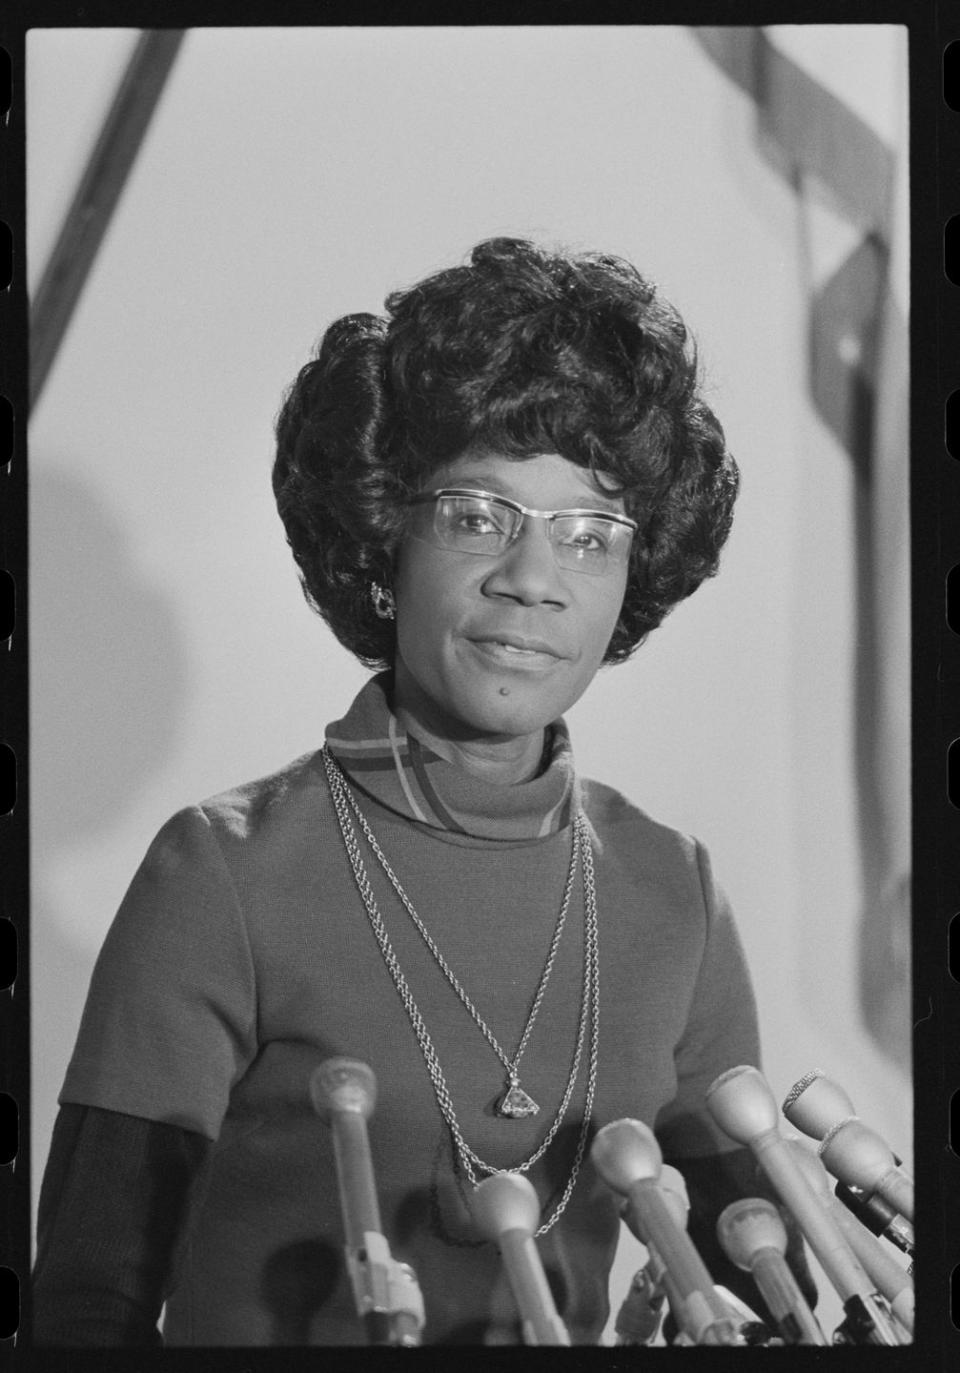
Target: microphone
x=815 y=1103
x=885 y=1273
x=743 y=1105
x=878 y=1217
x=858 y=1157
x=506 y=1210
x=387 y=1296
x=628 y=1159
x=854 y=1153
x=674 y=1188
x=641 y=1313
x=754 y=1237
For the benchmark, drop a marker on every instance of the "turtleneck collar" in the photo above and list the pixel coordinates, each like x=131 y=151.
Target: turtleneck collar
x=386 y=762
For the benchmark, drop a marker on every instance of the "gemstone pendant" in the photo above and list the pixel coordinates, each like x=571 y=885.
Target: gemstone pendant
x=516 y=1103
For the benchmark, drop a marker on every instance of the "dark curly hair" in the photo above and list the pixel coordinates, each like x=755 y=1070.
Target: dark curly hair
x=523 y=351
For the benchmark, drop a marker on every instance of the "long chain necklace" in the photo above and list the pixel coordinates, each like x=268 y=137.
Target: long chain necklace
x=515 y=1100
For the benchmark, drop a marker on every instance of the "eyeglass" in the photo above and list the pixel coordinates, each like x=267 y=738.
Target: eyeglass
x=591 y=541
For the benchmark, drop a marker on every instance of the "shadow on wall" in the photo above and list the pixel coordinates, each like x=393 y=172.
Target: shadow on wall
x=108 y=676
x=108 y=665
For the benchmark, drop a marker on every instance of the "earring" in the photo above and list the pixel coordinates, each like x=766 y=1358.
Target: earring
x=384 y=606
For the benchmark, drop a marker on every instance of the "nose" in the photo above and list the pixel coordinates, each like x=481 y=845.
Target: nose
x=526 y=571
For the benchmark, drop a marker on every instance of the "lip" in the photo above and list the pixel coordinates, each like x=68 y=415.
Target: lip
x=516 y=654
x=518 y=641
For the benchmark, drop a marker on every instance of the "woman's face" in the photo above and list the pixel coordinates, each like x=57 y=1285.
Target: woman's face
x=495 y=648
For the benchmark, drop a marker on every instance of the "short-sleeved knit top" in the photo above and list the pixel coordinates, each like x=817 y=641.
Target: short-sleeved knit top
x=242 y=956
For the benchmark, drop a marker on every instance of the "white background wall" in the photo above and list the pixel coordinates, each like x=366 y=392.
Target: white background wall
x=292 y=176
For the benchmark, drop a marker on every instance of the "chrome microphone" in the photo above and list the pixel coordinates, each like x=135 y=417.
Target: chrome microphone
x=815 y=1103
x=888 y=1277
x=754 y=1237
x=854 y=1153
x=506 y=1210
x=628 y=1159
x=386 y=1293
x=743 y=1105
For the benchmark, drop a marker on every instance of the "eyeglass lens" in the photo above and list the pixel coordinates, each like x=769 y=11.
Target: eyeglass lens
x=484 y=525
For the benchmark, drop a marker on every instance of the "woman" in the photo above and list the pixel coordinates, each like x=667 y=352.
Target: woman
x=504 y=483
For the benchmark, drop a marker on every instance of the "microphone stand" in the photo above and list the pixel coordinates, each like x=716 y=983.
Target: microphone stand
x=386 y=1293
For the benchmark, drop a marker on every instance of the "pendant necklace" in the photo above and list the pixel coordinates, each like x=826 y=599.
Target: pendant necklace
x=515 y=1103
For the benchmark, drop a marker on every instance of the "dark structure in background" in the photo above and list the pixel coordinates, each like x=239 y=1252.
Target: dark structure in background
x=96 y=197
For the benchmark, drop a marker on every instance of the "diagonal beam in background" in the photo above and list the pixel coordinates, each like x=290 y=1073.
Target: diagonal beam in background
x=96 y=198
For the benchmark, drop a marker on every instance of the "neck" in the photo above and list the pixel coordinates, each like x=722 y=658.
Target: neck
x=463 y=789
x=502 y=761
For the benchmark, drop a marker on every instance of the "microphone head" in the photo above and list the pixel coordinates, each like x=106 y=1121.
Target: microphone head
x=816 y=1103
x=625 y=1152
x=746 y=1227
x=856 y=1154
x=343 y=1085
x=505 y=1201
x=742 y=1104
